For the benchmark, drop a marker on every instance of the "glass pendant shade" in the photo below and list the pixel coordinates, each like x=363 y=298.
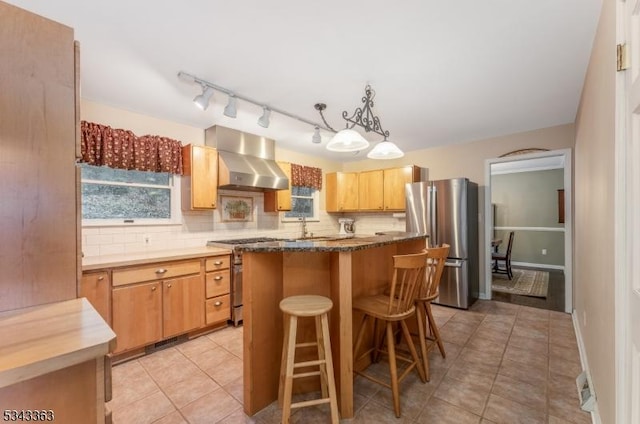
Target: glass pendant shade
x=385 y=150
x=347 y=141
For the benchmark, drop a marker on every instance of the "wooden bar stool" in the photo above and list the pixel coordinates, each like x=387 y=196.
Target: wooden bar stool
x=307 y=306
x=390 y=309
x=436 y=258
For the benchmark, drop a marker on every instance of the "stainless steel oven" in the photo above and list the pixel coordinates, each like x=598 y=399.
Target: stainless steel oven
x=236 y=271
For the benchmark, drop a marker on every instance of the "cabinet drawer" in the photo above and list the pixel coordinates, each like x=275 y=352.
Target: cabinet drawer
x=154 y=272
x=218 y=309
x=219 y=262
x=217 y=283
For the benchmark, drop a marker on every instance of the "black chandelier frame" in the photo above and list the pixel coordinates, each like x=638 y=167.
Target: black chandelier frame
x=363 y=116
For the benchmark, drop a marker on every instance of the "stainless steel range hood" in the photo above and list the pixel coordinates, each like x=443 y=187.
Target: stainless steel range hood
x=246 y=161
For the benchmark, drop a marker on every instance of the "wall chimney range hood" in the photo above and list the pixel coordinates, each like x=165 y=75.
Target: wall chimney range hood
x=245 y=161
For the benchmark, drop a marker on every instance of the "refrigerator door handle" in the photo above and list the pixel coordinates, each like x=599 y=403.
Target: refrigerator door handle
x=433 y=217
x=454 y=264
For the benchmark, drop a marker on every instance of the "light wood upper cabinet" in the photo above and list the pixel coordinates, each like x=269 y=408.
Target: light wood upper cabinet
x=341 y=191
x=376 y=190
x=137 y=315
x=96 y=287
x=279 y=200
x=182 y=307
x=370 y=196
x=394 y=186
x=200 y=177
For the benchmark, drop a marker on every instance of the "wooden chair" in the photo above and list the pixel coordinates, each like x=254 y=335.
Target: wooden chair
x=307 y=306
x=395 y=307
x=436 y=258
x=504 y=257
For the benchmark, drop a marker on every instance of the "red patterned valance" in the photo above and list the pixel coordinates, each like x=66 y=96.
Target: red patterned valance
x=306 y=176
x=122 y=149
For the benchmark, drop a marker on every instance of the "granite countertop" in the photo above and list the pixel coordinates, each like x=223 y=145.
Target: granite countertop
x=330 y=243
x=109 y=261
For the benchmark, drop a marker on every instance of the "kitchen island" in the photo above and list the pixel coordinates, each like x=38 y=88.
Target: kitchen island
x=340 y=269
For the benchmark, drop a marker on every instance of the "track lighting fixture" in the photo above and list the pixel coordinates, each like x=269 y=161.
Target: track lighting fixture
x=317 y=138
x=349 y=140
x=202 y=100
x=263 y=121
x=230 y=110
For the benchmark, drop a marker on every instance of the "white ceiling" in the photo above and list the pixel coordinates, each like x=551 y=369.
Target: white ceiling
x=444 y=72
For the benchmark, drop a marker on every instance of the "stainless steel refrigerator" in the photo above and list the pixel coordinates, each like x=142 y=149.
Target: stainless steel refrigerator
x=447 y=211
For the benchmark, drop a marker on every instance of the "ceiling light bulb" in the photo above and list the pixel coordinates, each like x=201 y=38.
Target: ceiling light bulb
x=317 y=138
x=230 y=110
x=347 y=141
x=263 y=121
x=202 y=100
x=385 y=150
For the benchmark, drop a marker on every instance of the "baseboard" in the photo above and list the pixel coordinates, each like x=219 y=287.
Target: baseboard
x=595 y=415
x=544 y=266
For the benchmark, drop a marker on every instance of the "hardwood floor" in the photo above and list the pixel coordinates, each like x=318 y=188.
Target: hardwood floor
x=555 y=295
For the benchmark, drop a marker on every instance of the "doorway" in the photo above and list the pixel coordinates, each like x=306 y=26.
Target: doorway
x=539 y=161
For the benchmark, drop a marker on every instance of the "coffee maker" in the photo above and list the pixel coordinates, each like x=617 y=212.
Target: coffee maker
x=346 y=226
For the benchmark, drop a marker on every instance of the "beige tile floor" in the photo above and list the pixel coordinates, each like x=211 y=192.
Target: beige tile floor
x=505 y=364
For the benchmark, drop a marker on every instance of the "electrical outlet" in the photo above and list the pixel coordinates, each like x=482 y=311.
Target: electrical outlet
x=544 y=251
x=147 y=239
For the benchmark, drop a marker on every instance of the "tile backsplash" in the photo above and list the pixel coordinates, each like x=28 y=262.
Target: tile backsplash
x=199 y=227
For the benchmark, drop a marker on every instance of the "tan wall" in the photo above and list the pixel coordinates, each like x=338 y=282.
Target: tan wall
x=196 y=228
x=138 y=123
x=468 y=160
x=594 y=201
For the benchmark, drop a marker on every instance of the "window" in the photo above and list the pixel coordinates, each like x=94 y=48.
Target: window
x=304 y=203
x=117 y=196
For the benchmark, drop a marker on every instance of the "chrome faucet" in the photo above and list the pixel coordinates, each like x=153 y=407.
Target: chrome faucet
x=304 y=227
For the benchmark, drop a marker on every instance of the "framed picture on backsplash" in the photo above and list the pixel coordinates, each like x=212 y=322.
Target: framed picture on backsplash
x=236 y=208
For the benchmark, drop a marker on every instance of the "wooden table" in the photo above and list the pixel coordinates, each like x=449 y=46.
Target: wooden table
x=340 y=270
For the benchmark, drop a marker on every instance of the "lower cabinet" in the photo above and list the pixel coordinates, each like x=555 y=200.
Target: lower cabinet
x=96 y=287
x=155 y=301
x=137 y=315
x=182 y=305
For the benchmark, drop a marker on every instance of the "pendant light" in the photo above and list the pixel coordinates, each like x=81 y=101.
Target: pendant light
x=349 y=140
x=385 y=150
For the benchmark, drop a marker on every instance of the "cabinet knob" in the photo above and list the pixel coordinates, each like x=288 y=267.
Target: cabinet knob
x=218 y=277
x=217 y=263
x=218 y=303
x=169 y=285
x=153 y=288
x=161 y=271
x=100 y=278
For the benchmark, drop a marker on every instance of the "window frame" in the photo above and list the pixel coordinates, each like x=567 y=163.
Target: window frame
x=175 y=212
x=316 y=208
